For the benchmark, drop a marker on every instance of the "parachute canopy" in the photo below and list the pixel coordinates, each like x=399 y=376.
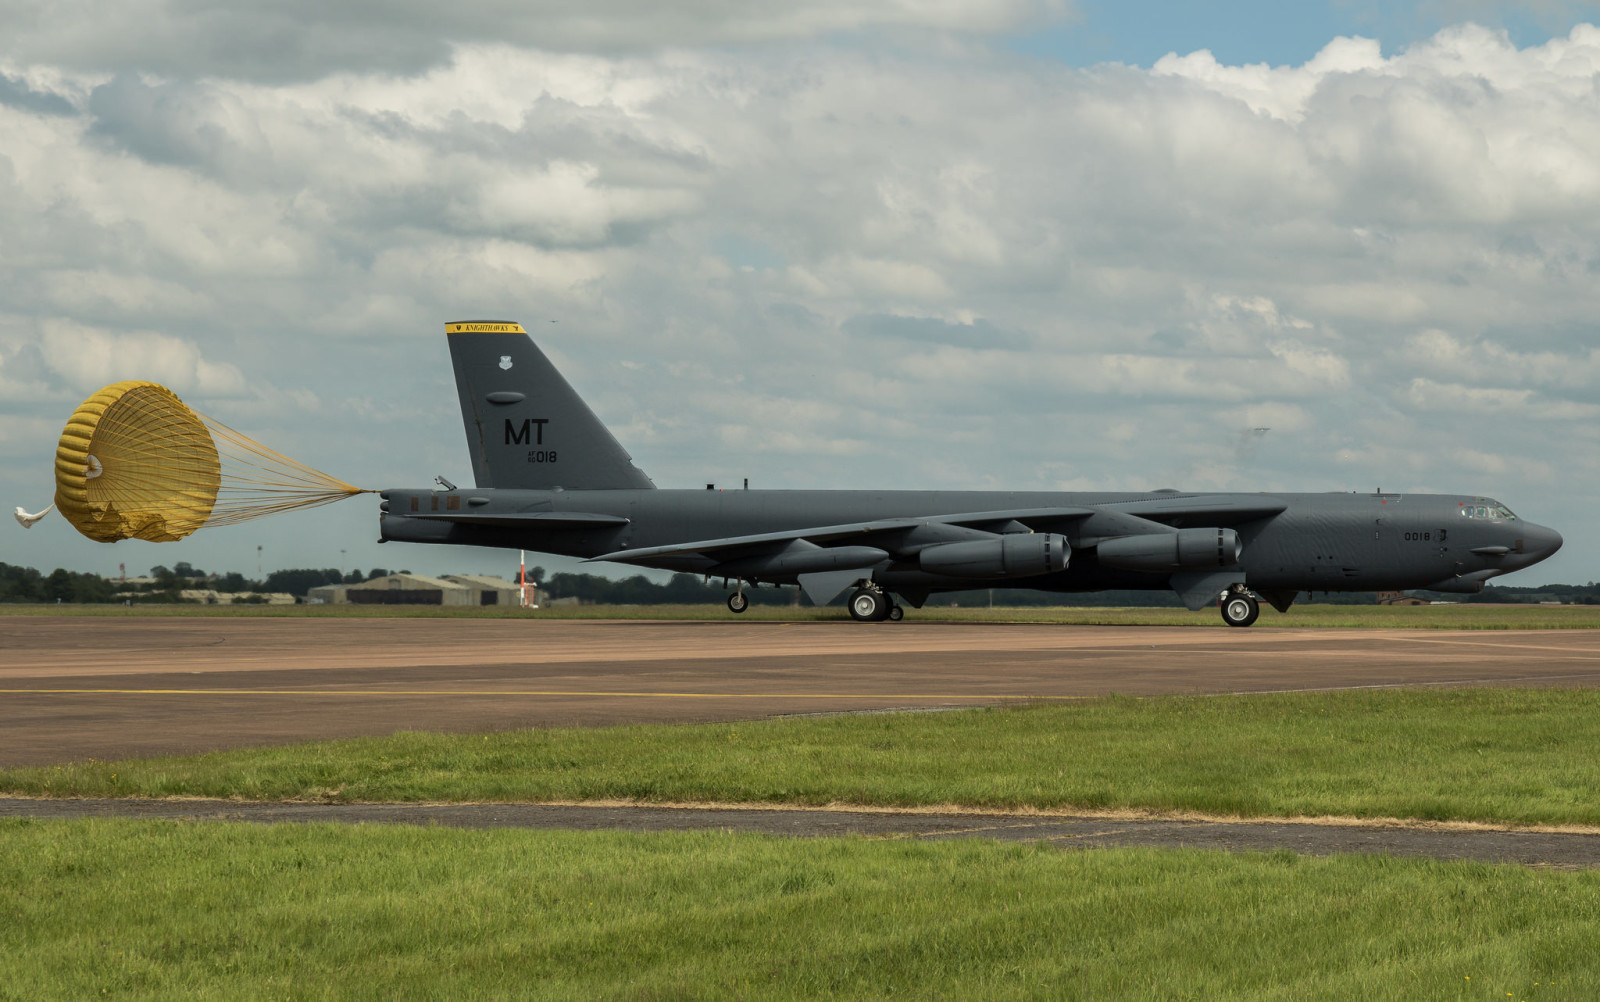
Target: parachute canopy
x=134 y=462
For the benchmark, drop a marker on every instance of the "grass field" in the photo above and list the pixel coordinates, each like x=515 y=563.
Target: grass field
x=1504 y=755
x=1436 y=617
x=149 y=910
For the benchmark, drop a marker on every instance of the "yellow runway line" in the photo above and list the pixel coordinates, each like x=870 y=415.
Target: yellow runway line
x=540 y=692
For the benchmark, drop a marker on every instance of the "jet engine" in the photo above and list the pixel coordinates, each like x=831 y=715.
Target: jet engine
x=1185 y=549
x=1016 y=555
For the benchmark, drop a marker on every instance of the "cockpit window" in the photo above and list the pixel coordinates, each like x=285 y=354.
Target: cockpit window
x=1495 y=510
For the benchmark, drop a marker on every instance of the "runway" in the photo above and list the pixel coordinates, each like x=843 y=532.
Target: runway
x=76 y=688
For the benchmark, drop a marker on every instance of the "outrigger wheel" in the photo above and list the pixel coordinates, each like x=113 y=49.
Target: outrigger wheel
x=869 y=605
x=738 y=601
x=1239 y=607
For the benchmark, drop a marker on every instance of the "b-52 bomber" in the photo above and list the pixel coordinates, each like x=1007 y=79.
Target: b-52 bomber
x=551 y=478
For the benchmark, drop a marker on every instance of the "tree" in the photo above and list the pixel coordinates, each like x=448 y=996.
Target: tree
x=20 y=584
x=298 y=581
x=91 y=588
x=58 y=586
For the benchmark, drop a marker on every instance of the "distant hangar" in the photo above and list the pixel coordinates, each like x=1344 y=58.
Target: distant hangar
x=419 y=589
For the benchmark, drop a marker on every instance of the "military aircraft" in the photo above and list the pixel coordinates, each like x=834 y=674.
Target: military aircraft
x=550 y=477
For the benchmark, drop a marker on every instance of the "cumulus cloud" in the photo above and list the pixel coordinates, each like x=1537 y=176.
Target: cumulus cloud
x=1425 y=394
x=1438 y=352
x=823 y=265
x=88 y=359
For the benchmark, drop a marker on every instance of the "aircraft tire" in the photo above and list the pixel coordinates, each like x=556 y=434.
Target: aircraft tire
x=868 y=605
x=1240 y=609
x=738 y=602
x=896 y=613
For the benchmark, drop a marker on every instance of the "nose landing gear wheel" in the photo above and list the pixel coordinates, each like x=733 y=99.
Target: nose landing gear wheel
x=869 y=606
x=896 y=614
x=738 y=602
x=1239 y=609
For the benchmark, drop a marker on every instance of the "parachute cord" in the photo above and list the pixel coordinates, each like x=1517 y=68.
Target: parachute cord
x=258 y=481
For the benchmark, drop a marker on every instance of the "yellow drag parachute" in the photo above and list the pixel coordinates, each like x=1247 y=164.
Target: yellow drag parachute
x=134 y=462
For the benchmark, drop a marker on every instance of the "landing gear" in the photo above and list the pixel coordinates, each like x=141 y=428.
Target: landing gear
x=869 y=605
x=738 y=601
x=896 y=614
x=1239 y=607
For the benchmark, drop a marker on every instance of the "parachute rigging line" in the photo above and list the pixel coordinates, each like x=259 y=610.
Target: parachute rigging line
x=257 y=481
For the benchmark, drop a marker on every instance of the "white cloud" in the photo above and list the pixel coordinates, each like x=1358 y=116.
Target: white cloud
x=1279 y=91
x=89 y=358
x=1425 y=394
x=564 y=203
x=1438 y=352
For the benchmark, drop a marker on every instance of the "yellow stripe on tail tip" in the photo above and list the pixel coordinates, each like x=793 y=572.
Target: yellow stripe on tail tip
x=484 y=327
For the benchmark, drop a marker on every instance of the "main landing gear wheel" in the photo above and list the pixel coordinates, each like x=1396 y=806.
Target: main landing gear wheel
x=869 y=605
x=738 y=602
x=1239 y=608
x=896 y=614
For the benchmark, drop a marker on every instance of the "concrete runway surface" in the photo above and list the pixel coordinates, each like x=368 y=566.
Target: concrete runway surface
x=1565 y=849
x=74 y=688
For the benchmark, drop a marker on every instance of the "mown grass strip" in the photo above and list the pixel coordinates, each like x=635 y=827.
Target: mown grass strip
x=1438 y=617
x=1518 y=756
x=150 y=910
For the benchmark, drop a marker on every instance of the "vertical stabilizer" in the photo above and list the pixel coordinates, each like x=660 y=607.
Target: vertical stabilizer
x=526 y=426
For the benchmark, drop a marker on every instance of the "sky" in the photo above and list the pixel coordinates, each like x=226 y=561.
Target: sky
x=964 y=244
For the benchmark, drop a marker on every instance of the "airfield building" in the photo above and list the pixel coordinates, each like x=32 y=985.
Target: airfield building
x=419 y=589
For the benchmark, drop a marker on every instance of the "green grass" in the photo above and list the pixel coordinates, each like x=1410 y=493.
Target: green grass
x=150 y=910
x=1437 y=617
x=1504 y=755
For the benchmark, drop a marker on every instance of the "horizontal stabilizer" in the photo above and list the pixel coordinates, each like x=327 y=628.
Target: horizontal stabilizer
x=529 y=519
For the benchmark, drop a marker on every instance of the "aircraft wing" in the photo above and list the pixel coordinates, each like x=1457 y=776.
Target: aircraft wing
x=1204 y=509
x=728 y=546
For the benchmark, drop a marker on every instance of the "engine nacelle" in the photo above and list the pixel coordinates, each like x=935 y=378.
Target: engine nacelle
x=1015 y=555
x=1186 y=549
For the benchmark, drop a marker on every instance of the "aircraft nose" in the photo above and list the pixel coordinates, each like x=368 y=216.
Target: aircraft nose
x=1539 y=542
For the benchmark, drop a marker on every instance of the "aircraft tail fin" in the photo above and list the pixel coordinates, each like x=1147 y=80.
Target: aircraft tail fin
x=526 y=426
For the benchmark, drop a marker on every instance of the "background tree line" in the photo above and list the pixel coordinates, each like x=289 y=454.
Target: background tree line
x=25 y=584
